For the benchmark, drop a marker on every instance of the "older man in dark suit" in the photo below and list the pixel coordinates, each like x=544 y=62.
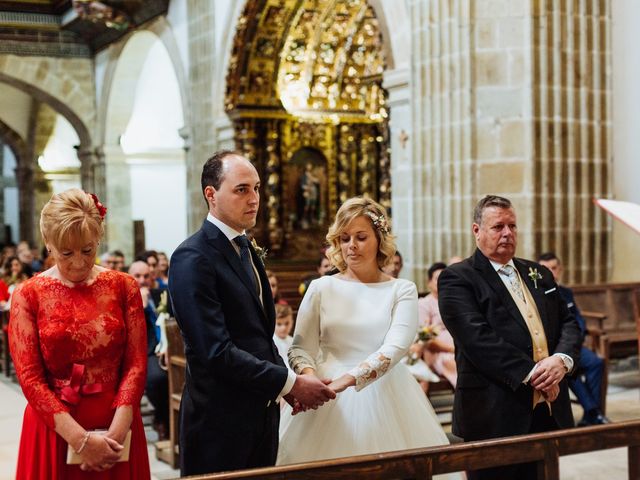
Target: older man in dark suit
x=515 y=339
x=229 y=415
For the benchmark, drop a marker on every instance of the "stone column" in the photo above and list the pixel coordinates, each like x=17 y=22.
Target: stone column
x=202 y=64
x=117 y=199
x=440 y=188
x=571 y=81
x=396 y=83
x=26 y=202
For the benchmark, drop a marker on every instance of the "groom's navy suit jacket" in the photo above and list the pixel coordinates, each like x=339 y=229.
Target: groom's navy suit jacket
x=493 y=346
x=234 y=372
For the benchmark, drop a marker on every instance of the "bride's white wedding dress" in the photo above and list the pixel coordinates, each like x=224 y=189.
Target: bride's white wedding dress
x=363 y=329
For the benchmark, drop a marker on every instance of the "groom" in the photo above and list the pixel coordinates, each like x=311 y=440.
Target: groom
x=229 y=414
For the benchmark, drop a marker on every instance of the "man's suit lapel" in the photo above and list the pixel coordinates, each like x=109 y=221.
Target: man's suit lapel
x=492 y=278
x=536 y=292
x=222 y=243
x=267 y=298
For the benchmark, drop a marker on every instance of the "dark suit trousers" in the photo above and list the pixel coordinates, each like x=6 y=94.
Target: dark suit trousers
x=587 y=389
x=541 y=422
x=256 y=447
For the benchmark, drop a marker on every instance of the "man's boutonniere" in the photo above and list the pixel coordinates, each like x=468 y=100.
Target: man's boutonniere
x=534 y=276
x=260 y=252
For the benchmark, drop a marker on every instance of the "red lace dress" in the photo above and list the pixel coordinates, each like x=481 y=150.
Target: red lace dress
x=80 y=350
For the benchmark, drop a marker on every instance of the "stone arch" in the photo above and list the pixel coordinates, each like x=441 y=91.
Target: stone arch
x=15 y=142
x=62 y=106
x=53 y=81
x=124 y=69
x=161 y=29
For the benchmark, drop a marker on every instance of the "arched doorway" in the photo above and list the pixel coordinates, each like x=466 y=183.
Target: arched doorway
x=311 y=80
x=145 y=172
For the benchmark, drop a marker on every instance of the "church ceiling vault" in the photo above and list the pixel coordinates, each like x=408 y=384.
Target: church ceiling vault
x=70 y=28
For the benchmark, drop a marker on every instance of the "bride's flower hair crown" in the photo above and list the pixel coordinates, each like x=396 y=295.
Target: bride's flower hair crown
x=379 y=222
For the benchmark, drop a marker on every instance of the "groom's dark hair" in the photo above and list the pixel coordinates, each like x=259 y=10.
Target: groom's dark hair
x=212 y=174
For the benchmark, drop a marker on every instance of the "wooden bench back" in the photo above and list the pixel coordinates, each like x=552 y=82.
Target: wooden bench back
x=619 y=301
x=176 y=358
x=542 y=448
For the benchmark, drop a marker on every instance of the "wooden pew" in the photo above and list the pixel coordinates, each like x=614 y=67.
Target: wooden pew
x=543 y=448
x=617 y=324
x=177 y=366
x=290 y=275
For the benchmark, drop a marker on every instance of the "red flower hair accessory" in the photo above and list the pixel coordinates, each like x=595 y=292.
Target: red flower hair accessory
x=102 y=210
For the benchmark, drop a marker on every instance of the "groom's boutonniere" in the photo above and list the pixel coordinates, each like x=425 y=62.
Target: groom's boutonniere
x=534 y=276
x=260 y=252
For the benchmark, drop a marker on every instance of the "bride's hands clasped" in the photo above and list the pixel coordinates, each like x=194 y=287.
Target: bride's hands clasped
x=343 y=382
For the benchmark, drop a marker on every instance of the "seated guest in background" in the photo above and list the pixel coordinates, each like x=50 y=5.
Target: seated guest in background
x=29 y=260
x=77 y=339
x=119 y=264
x=282 y=336
x=162 y=272
x=14 y=275
x=157 y=385
x=273 y=283
x=587 y=383
x=323 y=267
x=395 y=267
x=438 y=353
x=150 y=257
x=113 y=260
x=107 y=260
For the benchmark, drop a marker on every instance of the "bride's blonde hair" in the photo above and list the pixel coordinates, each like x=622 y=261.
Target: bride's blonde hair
x=376 y=213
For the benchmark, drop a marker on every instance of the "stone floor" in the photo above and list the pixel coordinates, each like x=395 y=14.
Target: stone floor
x=623 y=403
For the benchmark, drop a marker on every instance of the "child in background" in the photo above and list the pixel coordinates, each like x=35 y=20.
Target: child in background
x=284 y=325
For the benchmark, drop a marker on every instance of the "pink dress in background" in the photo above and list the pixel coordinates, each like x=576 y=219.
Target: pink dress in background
x=439 y=362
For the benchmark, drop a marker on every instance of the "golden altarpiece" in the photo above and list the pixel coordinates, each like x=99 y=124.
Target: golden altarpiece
x=305 y=97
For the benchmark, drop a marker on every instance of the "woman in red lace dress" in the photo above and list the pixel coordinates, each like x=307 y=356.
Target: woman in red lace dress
x=78 y=340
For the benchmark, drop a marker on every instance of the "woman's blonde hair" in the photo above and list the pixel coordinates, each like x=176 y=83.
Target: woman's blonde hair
x=71 y=219
x=376 y=213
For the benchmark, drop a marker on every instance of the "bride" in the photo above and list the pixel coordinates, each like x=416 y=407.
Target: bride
x=354 y=327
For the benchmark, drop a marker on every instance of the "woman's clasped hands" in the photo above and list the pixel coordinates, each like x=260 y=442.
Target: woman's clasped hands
x=337 y=385
x=100 y=453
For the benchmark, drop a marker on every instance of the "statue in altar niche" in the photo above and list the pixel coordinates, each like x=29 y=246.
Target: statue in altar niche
x=309 y=178
x=309 y=191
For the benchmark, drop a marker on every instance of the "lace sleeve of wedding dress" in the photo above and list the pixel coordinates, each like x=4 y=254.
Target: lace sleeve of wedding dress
x=134 y=368
x=306 y=338
x=399 y=337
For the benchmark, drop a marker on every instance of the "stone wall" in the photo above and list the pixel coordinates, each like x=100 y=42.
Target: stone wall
x=511 y=97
